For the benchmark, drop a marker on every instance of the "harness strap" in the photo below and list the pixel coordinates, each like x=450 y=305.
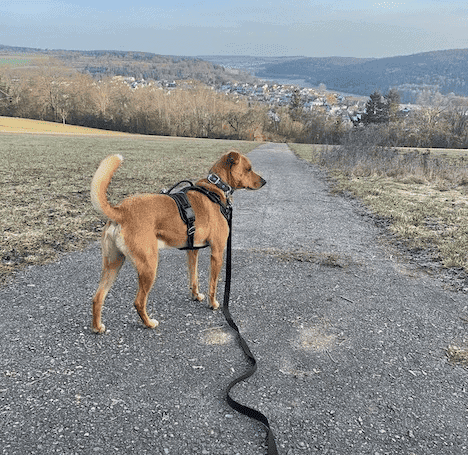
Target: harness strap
x=187 y=214
x=225 y=209
x=186 y=211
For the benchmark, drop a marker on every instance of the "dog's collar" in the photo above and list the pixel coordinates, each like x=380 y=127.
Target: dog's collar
x=215 y=180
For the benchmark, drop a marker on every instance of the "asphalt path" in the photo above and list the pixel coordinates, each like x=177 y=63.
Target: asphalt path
x=350 y=341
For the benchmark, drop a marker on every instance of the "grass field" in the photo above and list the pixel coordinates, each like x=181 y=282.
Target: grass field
x=21 y=60
x=45 y=207
x=22 y=125
x=424 y=196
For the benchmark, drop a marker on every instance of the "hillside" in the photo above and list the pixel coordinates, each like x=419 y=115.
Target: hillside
x=140 y=65
x=443 y=71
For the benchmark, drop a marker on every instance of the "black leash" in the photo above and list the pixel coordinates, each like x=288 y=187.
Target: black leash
x=252 y=413
x=188 y=216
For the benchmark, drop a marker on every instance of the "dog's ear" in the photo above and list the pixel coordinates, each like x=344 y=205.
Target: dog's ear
x=232 y=158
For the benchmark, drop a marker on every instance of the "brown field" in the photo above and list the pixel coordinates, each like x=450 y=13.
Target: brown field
x=22 y=125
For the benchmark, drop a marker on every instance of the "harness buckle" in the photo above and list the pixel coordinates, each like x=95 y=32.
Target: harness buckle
x=213 y=178
x=191 y=230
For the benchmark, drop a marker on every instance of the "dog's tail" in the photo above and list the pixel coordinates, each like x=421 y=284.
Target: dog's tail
x=99 y=185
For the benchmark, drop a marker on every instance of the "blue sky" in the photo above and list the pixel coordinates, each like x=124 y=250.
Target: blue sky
x=313 y=28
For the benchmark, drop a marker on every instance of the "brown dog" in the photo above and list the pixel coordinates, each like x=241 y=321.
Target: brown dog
x=142 y=224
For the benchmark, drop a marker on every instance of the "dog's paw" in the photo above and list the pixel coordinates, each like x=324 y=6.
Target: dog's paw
x=101 y=329
x=198 y=296
x=152 y=323
x=214 y=304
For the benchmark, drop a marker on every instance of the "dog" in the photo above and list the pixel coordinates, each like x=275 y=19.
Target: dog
x=140 y=225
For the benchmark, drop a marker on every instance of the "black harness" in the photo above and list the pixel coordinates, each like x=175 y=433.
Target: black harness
x=185 y=208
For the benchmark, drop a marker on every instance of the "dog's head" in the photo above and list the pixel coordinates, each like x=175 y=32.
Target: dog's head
x=236 y=170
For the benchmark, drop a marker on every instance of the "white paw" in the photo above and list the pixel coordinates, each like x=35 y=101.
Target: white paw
x=198 y=297
x=153 y=323
x=101 y=329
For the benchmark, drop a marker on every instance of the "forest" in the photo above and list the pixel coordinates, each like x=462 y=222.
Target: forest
x=442 y=71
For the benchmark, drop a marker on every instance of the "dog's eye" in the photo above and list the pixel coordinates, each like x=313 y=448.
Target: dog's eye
x=249 y=169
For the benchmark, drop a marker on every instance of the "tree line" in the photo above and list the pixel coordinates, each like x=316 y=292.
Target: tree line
x=436 y=121
x=54 y=92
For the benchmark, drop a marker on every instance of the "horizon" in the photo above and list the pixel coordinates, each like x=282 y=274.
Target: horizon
x=201 y=56
x=306 y=28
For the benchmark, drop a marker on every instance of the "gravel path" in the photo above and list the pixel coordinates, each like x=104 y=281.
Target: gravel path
x=349 y=341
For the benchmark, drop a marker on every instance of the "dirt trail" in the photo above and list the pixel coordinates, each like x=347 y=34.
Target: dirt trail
x=350 y=343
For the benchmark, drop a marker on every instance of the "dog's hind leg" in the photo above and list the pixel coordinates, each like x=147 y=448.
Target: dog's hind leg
x=192 y=261
x=112 y=261
x=146 y=264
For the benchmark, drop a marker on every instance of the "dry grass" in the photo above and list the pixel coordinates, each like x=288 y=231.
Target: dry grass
x=457 y=354
x=21 y=125
x=45 y=206
x=423 y=193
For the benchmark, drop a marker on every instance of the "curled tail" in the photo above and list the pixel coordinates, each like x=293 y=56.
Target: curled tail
x=99 y=185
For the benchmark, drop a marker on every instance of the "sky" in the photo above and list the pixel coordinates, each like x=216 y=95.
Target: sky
x=311 y=28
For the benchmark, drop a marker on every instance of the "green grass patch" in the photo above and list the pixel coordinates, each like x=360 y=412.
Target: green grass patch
x=45 y=205
x=20 y=60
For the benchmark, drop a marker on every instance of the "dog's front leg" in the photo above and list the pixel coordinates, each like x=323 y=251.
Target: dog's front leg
x=216 y=265
x=192 y=262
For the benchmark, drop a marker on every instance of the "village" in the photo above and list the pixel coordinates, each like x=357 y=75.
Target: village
x=349 y=108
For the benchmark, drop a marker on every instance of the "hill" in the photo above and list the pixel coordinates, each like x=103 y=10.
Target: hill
x=140 y=65
x=442 y=71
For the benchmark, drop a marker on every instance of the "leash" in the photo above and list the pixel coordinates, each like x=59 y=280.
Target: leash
x=250 y=412
x=188 y=216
